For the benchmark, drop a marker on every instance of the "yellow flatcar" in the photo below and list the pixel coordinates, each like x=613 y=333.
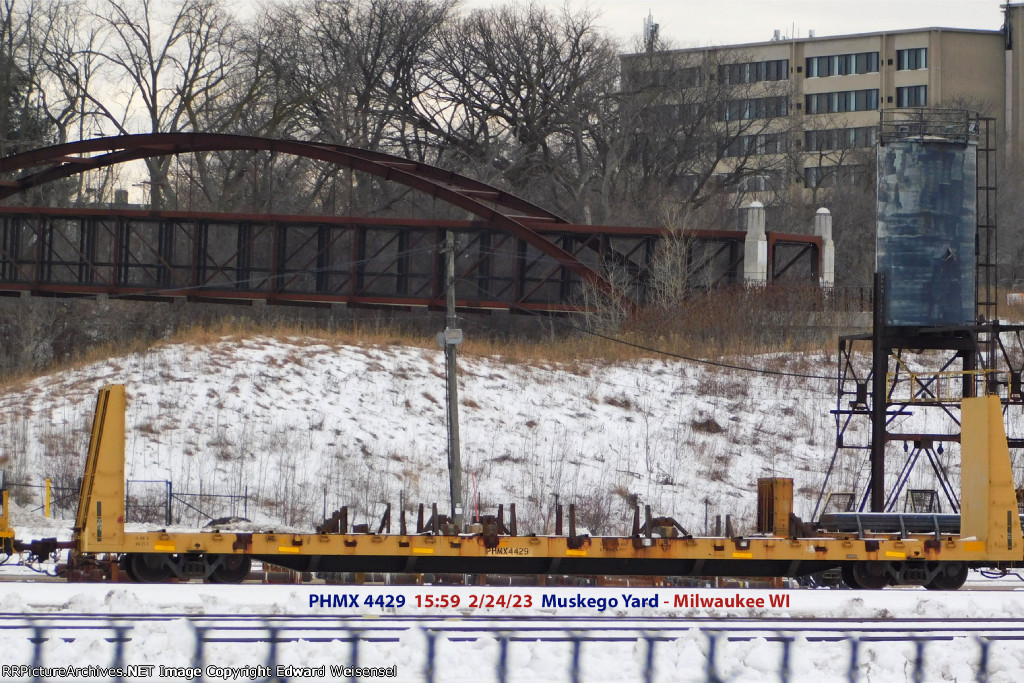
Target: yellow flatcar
x=988 y=533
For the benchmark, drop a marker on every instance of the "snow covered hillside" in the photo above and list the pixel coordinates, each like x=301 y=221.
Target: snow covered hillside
x=295 y=421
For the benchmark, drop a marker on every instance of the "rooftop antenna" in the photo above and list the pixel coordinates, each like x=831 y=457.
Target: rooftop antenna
x=650 y=32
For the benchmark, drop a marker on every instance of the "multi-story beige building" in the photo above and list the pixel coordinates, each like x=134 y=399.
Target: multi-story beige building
x=816 y=100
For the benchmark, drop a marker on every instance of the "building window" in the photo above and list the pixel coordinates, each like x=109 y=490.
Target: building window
x=866 y=62
x=908 y=60
x=842 y=65
x=672 y=79
x=757 y=183
x=813 y=176
x=833 y=176
x=766 y=143
x=840 y=138
x=912 y=96
x=670 y=115
x=765 y=182
x=819 y=67
x=754 y=72
x=837 y=102
x=754 y=108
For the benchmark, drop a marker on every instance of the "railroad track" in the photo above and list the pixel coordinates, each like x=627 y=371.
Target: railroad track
x=233 y=628
x=477 y=648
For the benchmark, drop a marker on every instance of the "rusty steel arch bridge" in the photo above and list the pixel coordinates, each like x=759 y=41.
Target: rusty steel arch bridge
x=512 y=254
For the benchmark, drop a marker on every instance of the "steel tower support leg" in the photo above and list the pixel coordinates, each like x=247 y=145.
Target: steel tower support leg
x=879 y=400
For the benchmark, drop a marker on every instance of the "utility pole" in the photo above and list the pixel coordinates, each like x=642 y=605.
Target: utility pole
x=449 y=340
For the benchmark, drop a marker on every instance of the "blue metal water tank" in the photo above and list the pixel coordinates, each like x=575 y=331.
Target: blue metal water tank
x=927 y=221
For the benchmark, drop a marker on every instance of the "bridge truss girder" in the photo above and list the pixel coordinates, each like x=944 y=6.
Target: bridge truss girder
x=307 y=260
x=513 y=255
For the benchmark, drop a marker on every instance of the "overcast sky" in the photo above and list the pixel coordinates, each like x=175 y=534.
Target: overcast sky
x=693 y=23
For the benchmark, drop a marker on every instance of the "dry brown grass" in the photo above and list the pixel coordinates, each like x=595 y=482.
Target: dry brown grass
x=740 y=321
x=94 y=354
x=727 y=323
x=567 y=350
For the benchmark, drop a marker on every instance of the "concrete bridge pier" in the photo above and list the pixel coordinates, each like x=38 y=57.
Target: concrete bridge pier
x=755 y=248
x=823 y=229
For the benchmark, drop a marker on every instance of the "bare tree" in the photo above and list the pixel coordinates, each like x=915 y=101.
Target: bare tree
x=697 y=124
x=264 y=94
x=341 y=72
x=71 y=59
x=30 y=115
x=828 y=151
x=24 y=122
x=521 y=94
x=365 y=63
x=170 y=69
x=675 y=269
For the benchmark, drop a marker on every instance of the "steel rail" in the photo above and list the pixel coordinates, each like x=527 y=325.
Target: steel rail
x=253 y=628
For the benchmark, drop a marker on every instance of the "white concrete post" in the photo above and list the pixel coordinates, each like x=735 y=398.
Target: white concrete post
x=755 y=247
x=823 y=229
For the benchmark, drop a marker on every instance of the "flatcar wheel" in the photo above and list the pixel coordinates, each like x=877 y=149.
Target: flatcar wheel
x=231 y=569
x=126 y=566
x=950 y=577
x=870 y=575
x=849 y=580
x=148 y=568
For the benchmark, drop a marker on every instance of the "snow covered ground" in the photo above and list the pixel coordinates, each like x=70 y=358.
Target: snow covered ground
x=468 y=640
x=302 y=425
